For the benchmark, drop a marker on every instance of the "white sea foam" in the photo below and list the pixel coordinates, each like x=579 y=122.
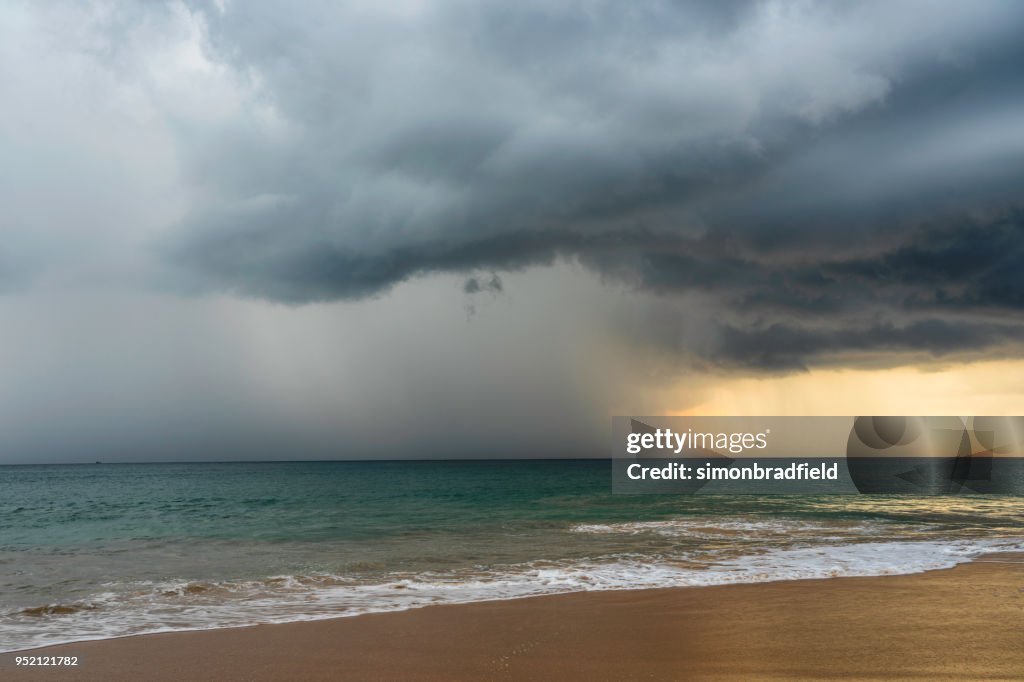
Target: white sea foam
x=179 y=605
x=712 y=527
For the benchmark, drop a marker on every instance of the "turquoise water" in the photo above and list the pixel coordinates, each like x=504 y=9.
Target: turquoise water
x=95 y=551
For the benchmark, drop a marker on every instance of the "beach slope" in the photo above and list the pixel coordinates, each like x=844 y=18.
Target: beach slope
x=962 y=623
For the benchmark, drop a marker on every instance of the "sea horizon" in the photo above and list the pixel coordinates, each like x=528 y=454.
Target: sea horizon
x=310 y=461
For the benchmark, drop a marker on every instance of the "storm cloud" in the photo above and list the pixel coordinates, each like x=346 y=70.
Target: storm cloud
x=803 y=165
x=823 y=177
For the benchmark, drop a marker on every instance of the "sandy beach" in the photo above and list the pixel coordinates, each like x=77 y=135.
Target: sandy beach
x=962 y=623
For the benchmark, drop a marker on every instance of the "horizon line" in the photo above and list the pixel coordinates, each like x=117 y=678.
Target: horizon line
x=316 y=461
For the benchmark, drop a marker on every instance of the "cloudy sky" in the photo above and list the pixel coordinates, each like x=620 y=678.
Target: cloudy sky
x=427 y=228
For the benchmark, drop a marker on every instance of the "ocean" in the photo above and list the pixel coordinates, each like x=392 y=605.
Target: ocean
x=107 y=550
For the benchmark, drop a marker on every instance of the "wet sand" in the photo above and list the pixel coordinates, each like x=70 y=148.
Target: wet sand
x=962 y=623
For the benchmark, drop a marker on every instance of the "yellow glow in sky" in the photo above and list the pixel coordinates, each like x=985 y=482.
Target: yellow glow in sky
x=979 y=388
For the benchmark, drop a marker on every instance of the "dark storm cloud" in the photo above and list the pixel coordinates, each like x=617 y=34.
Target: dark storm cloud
x=945 y=288
x=785 y=347
x=833 y=177
x=969 y=266
x=476 y=285
x=962 y=265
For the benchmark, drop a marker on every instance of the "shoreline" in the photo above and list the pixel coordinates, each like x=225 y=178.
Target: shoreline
x=824 y=565
x=992 y=554
x=956 y=623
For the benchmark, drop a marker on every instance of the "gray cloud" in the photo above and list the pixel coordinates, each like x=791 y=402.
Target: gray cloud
x=796 y=165
x=782 y=347
x=476 y=285
x=258 y=229
x=786 y=159
x=944 y=288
